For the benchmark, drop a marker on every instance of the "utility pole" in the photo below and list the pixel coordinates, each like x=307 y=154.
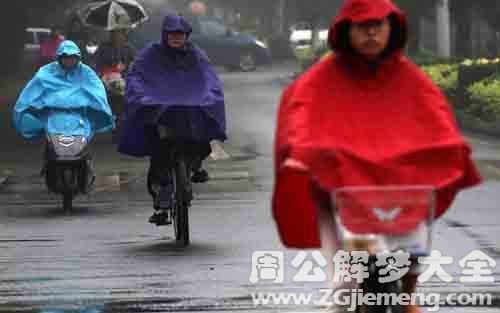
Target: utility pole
x=443 y=28
x=281 y=17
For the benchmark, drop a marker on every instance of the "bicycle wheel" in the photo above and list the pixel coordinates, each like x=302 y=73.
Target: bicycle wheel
x=181 y=214
x=371 y=285
x=397 y=288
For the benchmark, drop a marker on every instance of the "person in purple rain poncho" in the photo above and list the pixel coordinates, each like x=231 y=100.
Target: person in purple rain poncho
x=173 y=84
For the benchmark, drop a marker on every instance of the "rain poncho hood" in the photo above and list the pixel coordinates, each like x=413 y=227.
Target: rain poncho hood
x=346 y=123
x=53 y=87
x=174 y=23
x=68 y=48
x=359 y=11
x=176 y=87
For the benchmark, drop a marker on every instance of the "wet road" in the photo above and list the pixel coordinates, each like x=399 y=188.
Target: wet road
x=105 y=257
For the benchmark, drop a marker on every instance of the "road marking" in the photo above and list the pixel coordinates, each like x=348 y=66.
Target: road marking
x=113 y=182
x=231 y=175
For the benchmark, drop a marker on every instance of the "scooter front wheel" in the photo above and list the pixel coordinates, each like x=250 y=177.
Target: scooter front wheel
x=70 y=185
x=68 y=202
x=181 y=214
x=372 y=286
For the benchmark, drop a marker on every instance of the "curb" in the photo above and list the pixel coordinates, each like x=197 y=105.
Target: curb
x=287 y=79
x=475 y=125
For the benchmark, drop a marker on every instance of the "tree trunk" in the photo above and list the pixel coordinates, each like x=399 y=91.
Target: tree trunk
x=414 y=36
x=281 y=17
x=443 y=28
x=13 y=21
x=462 y=19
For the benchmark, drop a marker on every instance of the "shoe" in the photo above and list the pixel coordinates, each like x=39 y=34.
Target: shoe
x=200 y=176
x=160 y=219
x=43 y=171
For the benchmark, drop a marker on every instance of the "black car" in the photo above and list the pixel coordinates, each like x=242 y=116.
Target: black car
x=235 y=51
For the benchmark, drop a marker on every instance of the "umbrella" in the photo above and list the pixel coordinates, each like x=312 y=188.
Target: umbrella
x=114 y=14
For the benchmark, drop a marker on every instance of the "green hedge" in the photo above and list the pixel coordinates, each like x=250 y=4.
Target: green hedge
x=426 y=58
x=473 y=86
x=484 y=99
x=444 y=75
x=306 y=57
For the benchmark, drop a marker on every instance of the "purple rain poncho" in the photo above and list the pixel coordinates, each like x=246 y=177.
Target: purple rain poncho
x=177 y=88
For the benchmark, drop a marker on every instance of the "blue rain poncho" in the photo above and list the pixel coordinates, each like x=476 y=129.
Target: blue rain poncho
x=53 y=88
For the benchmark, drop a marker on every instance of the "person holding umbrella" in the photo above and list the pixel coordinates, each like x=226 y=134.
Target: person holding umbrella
x=116 y=53
x=114 y=58
x=117 y=17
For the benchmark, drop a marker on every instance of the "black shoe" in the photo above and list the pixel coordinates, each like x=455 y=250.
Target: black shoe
x=200 y=176
x=43 y=171
x=160 y=219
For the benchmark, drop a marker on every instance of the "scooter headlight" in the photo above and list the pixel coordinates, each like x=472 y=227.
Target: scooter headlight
x=66 y=141
x=67 y=146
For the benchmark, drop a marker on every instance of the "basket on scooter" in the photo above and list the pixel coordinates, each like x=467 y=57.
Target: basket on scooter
x=376 y=219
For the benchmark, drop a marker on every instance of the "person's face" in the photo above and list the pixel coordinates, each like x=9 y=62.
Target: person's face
x=176 y=40
x=370 y=38
x=118 y=37
x=69 y=62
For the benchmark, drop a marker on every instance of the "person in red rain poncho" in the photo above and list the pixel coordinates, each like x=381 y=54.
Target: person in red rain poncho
x=363 y=116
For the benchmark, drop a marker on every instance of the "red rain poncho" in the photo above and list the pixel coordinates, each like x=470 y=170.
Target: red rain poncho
x=349 y=123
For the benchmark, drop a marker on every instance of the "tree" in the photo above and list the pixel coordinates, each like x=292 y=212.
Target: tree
x=415 y=10
x=13 y=20
x=463 y=13
x=258 y=14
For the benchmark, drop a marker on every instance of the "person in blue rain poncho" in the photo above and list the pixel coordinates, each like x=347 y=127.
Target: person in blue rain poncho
x=65 y=84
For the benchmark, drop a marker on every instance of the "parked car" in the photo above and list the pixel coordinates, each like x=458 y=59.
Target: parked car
x=224 y=46
x=33 y=37
x=301 y=36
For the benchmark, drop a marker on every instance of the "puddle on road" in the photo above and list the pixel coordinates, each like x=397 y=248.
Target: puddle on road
x=85 y=310
x=159 y=305
x=55 y=310
x=91 y=310
x=486 y=245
